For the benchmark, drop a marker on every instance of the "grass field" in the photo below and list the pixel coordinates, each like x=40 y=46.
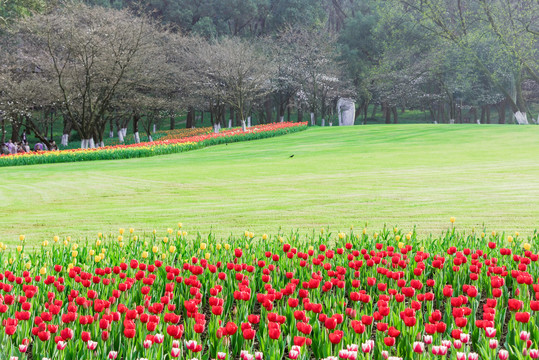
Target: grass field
x=401 y=175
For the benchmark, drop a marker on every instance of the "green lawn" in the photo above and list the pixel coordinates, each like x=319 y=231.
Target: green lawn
x=401 y=175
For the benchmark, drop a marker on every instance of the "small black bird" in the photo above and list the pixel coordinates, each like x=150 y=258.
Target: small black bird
x=291 y=156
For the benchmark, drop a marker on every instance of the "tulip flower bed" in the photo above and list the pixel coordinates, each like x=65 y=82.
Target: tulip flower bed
x=160 y=147
x=387 y=295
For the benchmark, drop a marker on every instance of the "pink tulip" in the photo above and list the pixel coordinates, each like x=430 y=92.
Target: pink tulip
x=113 y=355
x=175 y=343
x=259 y=355
x=352 y=347
x=457 y=344
x=91 y=345
x=524 y=336
x=147 y=344
x=158 y=338
x=427 y=339
x=191 y=344
x=446 y=343
x=534 y=353
x=490 y=332
x=503 y=355
x=352 y=355
x=61 y=345
x=366 y=347
x=465 y=338
x=221 y=356
x=385 y=354
x=343 y=354
x=175 y=352
x=14 y=358
x=473 y=356
x=23 y=348
x=418 y=347
x=442 y=350
x=461 y=356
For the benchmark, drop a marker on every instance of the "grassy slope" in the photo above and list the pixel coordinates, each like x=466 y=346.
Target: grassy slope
x=404 y=174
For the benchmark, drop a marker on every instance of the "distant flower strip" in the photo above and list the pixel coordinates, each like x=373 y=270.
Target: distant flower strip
x=146 y=149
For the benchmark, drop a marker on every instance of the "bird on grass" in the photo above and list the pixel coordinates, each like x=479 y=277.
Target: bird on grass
x=292 y=156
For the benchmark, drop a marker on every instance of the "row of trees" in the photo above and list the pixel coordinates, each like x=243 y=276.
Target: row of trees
x=99 y=64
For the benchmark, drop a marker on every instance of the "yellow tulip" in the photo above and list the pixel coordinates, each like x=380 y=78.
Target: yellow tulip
x=218 y=246
x=395 y=230
x=102 y=256
x=121 y=244
x=10 y=261
x=342 y=235
x=397 y=237
x=55 y=238
x=120 y=238
x=21 y=237
x=99 y=235
x=45 y=243
x=203 y=246
x=227 y=247
x=452 y=220
x=517 y=233
x=28 y=265
x=19 y=248
x=75 y=247
x=375 y=235
x=91 y=252
x=351 y=227
x=400 y=245
x=311 y=247
x=74 y=253
x=97 y=258
x=364 y=231
x=482 y=234
x=526 y=246
x=207 y=256
x=135 y=238
x=510 y=239
x=493 y=233
x=180 y=225
x=66 y=242
x=169 y=230
x=321 y=230
x=163 y=256
x=172 y=249
x=281 y=240
x=247 y=246
x=131 y=230
x=68 y=238
x=165 y=239
x=144 y=254
x=179 y=233
x=98 y=243
x=70 y=266
x=43 y=270
x=145 y=244
x=264 y=236
x=154 y=231
x=246 y=233
x=121 y=231
x=155 y=249
x=408 y=236
x=184 y=233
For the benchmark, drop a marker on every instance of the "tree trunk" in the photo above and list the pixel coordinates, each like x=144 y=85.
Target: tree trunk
x=3 y=129
x=501 y=112
x=487 y=113
x=483 y=113
x=374 y=108
x=190 y=118
x=136 y=119
x=395 y=115
x=300 y=114
x=172 y=122
x=387 y=113
x=15 y=126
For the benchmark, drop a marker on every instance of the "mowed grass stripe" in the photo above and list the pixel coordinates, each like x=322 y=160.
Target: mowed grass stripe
x=402 y=175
